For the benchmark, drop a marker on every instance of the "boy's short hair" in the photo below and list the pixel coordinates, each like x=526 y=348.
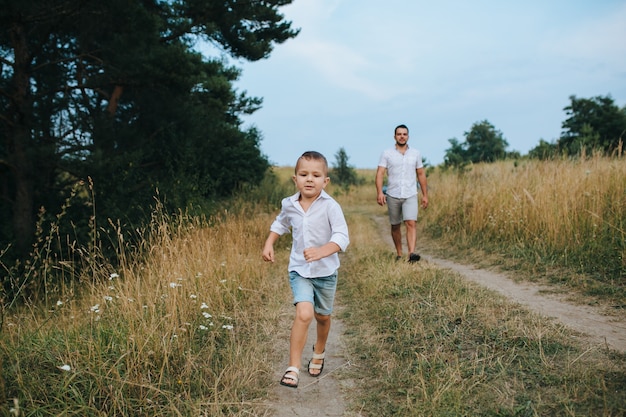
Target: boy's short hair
x=315 y=156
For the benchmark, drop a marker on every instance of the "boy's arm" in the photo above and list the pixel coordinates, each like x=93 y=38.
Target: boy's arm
x=315 y=254
x=338 y=241
x=268 y=248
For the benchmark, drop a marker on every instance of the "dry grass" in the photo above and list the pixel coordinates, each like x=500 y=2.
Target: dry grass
x=181 y=330
x=565 y=220
x=435 y=345
x=185 y=325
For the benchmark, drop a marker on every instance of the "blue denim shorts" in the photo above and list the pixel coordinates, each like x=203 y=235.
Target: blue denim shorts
x=318 y=291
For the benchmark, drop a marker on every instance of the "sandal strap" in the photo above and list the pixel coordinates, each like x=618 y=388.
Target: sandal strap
x=319 y=355
x=315 y=365
x=289 y=376
x=293 y=369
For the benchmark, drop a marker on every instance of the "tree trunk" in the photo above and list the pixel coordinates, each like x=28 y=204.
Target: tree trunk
x=22 y=156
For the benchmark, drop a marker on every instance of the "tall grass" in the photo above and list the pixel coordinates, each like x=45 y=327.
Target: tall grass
x=425 y=342
x=560 y=213
x=186 y=325
x=183 y=326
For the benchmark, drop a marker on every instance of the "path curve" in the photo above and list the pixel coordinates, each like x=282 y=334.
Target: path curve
x=598 y=328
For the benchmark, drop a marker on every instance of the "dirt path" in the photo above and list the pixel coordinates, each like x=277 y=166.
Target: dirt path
x=325 y=396
x=314 y=397
x=597 y=328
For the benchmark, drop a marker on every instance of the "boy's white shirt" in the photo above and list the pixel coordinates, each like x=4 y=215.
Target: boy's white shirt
x=323 y=222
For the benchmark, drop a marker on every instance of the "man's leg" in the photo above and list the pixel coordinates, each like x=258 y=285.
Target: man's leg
x=323 y=329
x=411 y=235
x=396 y=235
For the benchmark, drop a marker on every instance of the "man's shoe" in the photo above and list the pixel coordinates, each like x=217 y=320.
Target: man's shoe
x=414 y=257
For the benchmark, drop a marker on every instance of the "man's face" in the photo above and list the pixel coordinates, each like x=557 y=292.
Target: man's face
x=401 y=136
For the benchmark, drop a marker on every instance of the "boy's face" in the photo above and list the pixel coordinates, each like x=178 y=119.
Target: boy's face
x=310 y=177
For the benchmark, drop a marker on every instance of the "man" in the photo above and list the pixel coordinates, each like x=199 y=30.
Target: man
x=401 y=164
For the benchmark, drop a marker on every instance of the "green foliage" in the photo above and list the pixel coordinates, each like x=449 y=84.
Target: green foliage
x=593 y=124
x=544 y=150
x=342 y=173
x=483 y=143
x=456 y=155
x=112 y=93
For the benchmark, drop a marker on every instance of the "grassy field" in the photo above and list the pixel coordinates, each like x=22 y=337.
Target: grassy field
x=185 y=325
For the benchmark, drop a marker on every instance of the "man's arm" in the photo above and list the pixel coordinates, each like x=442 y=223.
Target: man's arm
x=380 y=196
x=421 y=178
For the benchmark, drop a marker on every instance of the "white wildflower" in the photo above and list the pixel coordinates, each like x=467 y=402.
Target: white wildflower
x=193 y=296
x=108 y=298
x=202 y=327
x=206 y=315
x=66 y=368
x=203 y=306
x=227 y=326
x=113 y=275
x=95 y=308
x=59 y=303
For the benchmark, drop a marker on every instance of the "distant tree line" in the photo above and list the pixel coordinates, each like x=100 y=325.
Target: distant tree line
x=105 y=103
x=593 y=125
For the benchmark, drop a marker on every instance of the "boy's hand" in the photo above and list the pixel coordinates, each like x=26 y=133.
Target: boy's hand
x=315 y=254
x=268 y=253
x=312 y=254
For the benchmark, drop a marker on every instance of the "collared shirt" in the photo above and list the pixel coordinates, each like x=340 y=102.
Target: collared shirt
x=401 y=171
x=323 y=222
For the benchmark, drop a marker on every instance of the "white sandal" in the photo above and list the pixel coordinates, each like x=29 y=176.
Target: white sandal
x=288 y=376
x=319 y=366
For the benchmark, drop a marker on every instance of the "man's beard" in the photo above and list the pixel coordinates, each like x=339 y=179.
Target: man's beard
x=402 y=144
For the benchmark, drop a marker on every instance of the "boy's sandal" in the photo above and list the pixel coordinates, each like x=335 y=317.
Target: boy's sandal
x=319 y=366
x=289 y=379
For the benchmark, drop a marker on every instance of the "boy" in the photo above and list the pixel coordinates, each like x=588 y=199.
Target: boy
x=319 y=232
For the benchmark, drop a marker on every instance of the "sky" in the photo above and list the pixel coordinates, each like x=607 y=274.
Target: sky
x=359 y=68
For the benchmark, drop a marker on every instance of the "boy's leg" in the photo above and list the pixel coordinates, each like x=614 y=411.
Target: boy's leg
x=299 y=330
x=323 y=329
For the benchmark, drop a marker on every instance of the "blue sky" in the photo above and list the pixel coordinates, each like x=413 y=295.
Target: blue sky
x=360 y=67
